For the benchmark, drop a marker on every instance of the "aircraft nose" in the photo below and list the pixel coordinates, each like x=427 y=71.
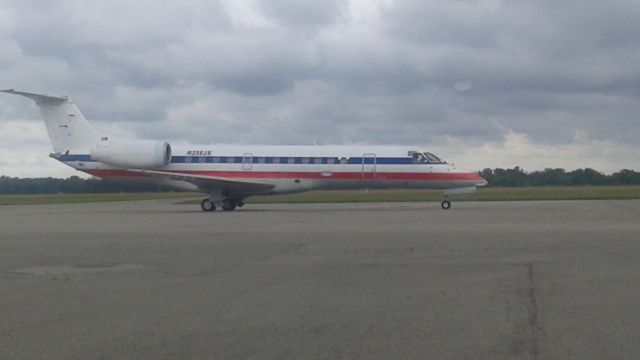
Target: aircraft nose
x=480 y=181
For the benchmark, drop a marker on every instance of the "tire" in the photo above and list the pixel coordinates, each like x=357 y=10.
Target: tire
x=228 y=205
x=446 y=205
x=207 y=205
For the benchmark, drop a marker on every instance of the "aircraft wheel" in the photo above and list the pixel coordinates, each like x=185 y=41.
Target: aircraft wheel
x=207 y=205
x=228 y=205
x=446 y=204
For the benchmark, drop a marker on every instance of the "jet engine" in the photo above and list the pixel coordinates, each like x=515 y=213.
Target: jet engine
x=132 y=154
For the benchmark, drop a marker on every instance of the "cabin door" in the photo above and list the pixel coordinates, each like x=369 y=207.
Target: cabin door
x=368 y=167
x=247 y=160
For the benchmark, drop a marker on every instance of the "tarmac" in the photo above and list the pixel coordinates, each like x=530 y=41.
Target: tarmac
x=160 y=280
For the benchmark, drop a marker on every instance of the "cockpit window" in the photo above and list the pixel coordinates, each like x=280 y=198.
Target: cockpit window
x=425 y=158
x=418 y=158
x=432 y=158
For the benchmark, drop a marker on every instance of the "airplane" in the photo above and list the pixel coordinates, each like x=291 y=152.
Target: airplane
x=231 y=173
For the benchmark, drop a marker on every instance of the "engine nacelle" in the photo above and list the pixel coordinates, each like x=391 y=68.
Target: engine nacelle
x=131 y=154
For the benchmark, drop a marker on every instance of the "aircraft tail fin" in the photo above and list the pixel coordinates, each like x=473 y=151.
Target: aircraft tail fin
x=67 y=128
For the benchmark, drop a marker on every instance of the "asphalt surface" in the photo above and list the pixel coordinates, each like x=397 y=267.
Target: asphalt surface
x=156 y=280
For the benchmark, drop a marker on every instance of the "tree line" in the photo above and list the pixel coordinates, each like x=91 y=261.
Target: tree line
x=516 y=177
x=558 y=177
x=73 y=185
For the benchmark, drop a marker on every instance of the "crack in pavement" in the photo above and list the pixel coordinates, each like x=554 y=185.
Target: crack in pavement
x=534 y=325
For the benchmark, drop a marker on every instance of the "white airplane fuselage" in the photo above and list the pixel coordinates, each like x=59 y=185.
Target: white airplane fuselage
x=291 y=168
x=231 y=173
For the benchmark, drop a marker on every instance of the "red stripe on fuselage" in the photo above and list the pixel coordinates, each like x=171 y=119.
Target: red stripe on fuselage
x=300 y=175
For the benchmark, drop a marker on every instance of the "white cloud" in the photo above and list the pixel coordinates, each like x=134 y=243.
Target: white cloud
x=24 y=149
x=445 y=75
x=517 y=149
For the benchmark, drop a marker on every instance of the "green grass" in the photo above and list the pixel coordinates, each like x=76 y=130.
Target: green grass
x=83 y=198
x=483 y=194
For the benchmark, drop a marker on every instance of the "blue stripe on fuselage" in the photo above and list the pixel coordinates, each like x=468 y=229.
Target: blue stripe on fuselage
x=295 y=160
x=265 y=160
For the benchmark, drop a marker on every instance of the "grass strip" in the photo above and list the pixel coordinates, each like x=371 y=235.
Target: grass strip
x=356 y=196
x=84 y=198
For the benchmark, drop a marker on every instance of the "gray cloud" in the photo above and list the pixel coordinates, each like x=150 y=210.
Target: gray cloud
x=303 y=13
x=292 y=72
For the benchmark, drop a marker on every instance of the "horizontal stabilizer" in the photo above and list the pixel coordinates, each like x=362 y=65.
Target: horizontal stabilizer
x=38 y=98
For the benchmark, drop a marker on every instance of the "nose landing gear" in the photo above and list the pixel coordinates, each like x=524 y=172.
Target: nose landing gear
x=446 y=204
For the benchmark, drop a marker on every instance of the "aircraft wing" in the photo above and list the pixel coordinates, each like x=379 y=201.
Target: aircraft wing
x=208 y=182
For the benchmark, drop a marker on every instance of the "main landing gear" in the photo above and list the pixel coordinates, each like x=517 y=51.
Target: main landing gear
x=226 y=205
x=207 y=205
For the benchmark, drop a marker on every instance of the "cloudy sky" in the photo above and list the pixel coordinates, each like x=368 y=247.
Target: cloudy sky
x=481 y=83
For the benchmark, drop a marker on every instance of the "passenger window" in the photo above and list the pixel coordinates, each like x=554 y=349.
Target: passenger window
x=261 y=160
x=318 y=160
x=305 y=160
x=275 y=160
x=331 y=160
x=187 y=159
x=291 y=160
x=215 y=159
x=202 y=159
x=230 y=159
